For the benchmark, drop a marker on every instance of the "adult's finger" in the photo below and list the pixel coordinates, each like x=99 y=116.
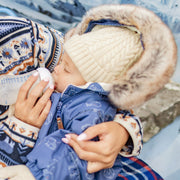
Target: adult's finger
x=43 y=100
x=96 y=161
x=36 y=92
x=88 y=145
x=93 y=132
x=44 y=114
x=112 y=138
x=83 y=154
x=24 y=90
x=99 y=130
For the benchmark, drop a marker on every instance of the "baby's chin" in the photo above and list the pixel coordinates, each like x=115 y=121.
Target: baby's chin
x=53 y=74
x=55 y=86
x=54 y=77
x=57 y=89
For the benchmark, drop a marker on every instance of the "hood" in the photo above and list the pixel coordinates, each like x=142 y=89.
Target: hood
x=157 y=62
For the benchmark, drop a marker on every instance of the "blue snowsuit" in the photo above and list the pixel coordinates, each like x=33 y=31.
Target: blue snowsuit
x=79 y=109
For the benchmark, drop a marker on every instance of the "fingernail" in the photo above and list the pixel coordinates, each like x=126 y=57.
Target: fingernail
x=46 y=79
x=68 y=136
x=81 y=137
x=35 y=73
x=65 y=140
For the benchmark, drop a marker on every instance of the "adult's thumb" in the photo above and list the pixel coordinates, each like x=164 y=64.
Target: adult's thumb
x=93 y=132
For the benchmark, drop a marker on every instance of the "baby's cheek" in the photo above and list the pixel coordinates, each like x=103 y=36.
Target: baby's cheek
x=60 y=87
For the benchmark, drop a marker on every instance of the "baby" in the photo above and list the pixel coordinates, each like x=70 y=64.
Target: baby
x=31 y=46
x=82 y=101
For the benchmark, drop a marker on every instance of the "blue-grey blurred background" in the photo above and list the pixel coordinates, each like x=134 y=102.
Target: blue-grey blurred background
x=162 y=152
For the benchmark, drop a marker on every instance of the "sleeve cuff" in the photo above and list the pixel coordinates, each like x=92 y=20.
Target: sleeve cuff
x=133 y=125
x=22 y=128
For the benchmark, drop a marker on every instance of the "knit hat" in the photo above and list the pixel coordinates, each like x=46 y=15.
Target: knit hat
x=105 y=54
x=144 y=75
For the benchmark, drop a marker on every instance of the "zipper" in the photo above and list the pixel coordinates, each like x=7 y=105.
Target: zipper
x=58 y=116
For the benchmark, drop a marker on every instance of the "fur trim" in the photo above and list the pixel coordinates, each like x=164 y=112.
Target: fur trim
x=157 y=63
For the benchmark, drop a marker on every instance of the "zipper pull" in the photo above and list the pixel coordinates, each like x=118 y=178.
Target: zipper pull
x=59 y=123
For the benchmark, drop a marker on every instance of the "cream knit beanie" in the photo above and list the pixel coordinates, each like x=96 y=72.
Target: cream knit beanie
x=105 y=54
x=141 y=74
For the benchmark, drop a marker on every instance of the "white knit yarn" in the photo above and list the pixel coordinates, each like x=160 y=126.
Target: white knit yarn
x=104 y=55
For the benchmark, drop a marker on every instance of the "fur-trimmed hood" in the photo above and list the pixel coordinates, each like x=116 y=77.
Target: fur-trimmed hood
x=157 y=62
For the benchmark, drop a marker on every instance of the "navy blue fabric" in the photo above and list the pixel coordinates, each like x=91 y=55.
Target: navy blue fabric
x=136 y=169
x=109 y=22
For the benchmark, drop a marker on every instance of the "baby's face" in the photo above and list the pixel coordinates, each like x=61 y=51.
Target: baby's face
x=67 y=73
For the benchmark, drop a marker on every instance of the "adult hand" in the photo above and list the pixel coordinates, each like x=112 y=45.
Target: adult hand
x=99 y=154
x=33 y=107
x=17 y=172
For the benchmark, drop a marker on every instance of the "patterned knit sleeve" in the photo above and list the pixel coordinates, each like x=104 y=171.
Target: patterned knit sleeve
x=16 y=141
x=133 y=125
